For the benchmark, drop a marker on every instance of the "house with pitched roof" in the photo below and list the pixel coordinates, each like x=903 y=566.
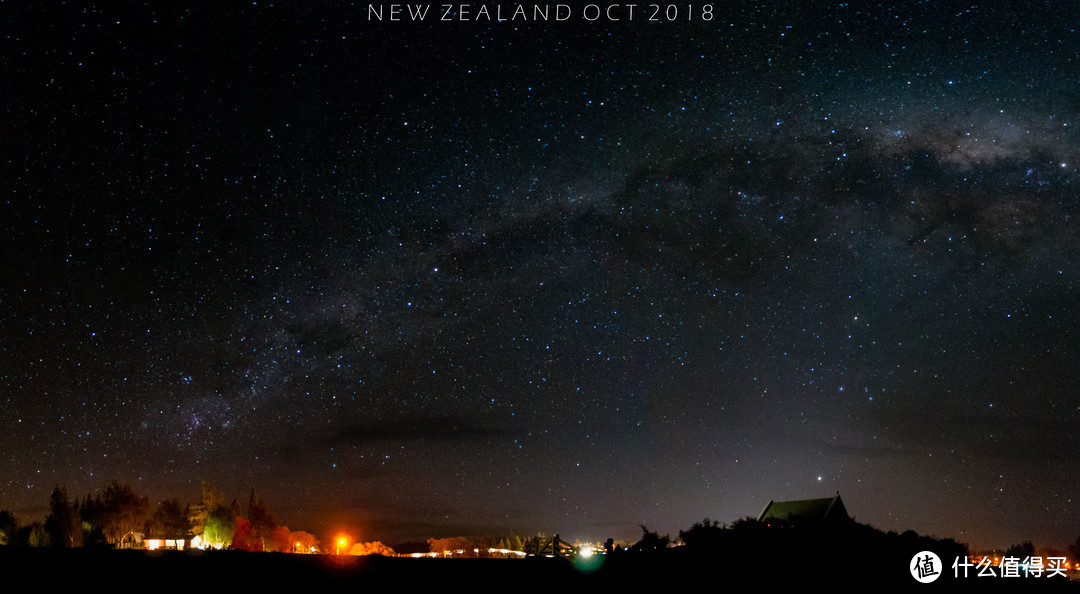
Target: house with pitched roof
x=830 y=511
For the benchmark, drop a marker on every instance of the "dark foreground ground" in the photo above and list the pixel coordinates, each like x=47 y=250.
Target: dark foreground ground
x=131 y=571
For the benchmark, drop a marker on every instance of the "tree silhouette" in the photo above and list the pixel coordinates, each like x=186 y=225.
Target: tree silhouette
x=63 y=522
x=123 y=512
x=91 y=510
x=650 y=541
x=1021 y=551
x=279 y=541
x=209 y=500
x=9 y=528
x=220 y=527
x=303 y=542
x=448 y=546
x=262 y=521
x=747 y=523
x=703 y=535
x=34 y=535
x=1074 y=549
x=243 y=537
x=371 y=548
x=170 y=520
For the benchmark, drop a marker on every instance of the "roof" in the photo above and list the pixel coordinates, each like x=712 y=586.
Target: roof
x=829 y=509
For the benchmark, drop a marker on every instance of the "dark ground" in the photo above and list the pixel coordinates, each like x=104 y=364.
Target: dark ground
x=671 y=569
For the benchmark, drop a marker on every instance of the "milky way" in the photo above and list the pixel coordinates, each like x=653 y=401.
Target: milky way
x=438 y=279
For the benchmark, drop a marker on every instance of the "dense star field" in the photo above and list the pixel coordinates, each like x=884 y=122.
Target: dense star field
x=427 y=279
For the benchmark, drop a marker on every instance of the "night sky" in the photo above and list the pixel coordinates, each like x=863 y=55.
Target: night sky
x=428 y=279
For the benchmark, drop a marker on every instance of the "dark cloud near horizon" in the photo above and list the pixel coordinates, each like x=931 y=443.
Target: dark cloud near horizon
x=430 y=429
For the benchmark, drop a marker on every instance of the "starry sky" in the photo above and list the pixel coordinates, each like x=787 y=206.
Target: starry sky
x=433 y=278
